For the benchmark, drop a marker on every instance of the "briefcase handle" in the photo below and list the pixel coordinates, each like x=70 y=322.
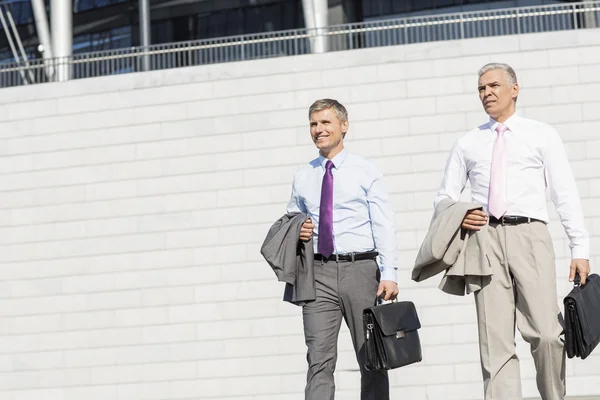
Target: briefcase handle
x=577 y=280
x=379 y=300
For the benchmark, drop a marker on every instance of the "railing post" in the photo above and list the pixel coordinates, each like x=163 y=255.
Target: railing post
x=144 y=26
x=462 y=26
x=574 y=16
x=242 y=45
x=350 y=42
x=296 y=42
x=591 y=16
x=518 y=22
x=61 y=24
x=41 y=24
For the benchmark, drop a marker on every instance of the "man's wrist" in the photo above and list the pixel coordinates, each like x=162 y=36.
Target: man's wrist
x=389 y=274
x=580 y=253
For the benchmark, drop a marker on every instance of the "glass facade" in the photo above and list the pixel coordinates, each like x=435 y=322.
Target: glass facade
x=381 y=13
x=113 y=24
x=378 y=8
x=23 y=14
x=281 y=15
x=99 y=30
x=113 y=39
x=86 y=5
x=21 y=11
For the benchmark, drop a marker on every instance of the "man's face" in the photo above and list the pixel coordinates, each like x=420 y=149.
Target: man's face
x=496 y=94
x=327 y=130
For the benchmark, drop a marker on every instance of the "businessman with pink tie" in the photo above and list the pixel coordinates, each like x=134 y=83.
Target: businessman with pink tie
x=510 y=161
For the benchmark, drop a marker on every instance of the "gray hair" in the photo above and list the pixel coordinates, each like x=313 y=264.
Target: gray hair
x=325 y=104
x=510 y=73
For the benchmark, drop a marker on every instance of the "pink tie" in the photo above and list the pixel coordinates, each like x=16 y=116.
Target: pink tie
x=497 y=204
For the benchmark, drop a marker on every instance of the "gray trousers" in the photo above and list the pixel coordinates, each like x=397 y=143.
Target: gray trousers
x=522 y=294
x=344 y=290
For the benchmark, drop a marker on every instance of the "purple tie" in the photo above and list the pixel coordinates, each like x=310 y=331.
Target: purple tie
x=326 y=213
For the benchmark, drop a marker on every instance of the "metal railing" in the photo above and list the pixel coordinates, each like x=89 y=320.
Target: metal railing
x=390 y=32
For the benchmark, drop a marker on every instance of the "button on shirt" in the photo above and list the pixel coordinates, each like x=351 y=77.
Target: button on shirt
x=362 y=218
x=536 y=160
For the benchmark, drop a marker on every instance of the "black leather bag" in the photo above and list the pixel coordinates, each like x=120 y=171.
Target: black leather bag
x=392 y=337
x=582 y=317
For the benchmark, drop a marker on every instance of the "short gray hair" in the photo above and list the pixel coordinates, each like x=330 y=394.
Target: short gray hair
x=325 y=104
x=510 y=73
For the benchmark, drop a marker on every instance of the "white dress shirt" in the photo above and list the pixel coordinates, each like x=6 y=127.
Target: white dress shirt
x=362 y=218
x=536 y=160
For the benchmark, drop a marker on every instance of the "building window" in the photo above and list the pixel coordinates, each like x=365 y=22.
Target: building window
x=286 y=14
x=21 y=11
x=85 y=5
x=112 y=39
x=382 y=8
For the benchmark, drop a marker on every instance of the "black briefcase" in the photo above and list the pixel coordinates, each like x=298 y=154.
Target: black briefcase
x=392 y=337
x=582 y=317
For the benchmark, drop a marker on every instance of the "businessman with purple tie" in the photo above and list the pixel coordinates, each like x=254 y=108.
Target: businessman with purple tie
x=352 y=227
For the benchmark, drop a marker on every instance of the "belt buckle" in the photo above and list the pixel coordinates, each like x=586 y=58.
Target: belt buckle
x=508 y=220
x=516 y=220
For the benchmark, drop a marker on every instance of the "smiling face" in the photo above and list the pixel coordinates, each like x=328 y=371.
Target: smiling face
x=497 y=94
x=327 y=132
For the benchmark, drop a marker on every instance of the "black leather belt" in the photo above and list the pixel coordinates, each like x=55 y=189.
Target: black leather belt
x=367 y=255
x=513 y=220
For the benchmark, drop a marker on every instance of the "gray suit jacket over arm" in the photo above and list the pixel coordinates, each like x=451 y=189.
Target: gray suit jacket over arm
x=447 y=247
x=292 y=259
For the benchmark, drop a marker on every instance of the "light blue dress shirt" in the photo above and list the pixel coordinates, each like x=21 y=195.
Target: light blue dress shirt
x=362 y=218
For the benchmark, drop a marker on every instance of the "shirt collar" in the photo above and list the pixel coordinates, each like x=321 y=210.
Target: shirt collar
x=511 y=123
x=338 y=160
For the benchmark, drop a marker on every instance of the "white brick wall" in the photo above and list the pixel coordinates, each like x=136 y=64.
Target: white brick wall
x=133 y=209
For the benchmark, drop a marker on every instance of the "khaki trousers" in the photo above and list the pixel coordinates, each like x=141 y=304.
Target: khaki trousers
x=522 y=294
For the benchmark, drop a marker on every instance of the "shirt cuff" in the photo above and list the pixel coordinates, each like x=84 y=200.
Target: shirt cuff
x=580 y=252
x=389 y=274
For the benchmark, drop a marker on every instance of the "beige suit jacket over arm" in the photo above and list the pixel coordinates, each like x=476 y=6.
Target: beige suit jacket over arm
x=460 y=253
